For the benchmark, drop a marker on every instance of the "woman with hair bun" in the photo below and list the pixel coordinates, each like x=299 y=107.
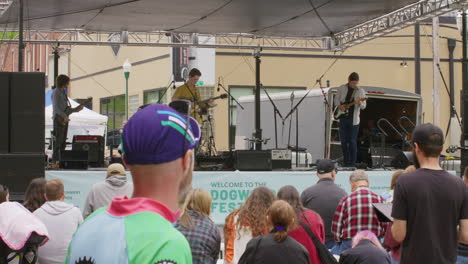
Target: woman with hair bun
x=277 y=247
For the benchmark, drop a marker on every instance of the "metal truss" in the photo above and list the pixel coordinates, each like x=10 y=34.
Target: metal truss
x=4 y=4
x=167 y=39
x=340 y=41
x=394 y=21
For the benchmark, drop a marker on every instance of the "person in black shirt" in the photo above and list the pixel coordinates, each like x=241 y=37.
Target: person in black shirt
x=429 y=204
x=349 y=122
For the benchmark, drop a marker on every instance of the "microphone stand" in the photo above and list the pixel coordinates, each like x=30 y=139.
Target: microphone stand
x=319 y=81
x=230 y=96
x=167 y=88
x=275 y=112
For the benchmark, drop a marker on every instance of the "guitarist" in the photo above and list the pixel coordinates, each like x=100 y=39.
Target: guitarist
x=189 y=91
x=61 y=118
x=349 y=123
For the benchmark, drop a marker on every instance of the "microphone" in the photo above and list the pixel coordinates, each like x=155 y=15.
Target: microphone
x=173 y=82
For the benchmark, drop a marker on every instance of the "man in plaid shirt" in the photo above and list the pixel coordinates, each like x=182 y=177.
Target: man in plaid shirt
x=355 y=213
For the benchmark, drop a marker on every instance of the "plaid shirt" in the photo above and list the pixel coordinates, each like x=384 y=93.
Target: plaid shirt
x=355 y=213
x=204 y=238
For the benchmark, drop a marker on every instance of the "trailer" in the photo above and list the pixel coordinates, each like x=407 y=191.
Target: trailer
x=305 y=119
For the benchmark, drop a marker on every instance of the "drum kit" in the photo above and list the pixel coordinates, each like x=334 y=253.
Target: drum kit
x=204 y=115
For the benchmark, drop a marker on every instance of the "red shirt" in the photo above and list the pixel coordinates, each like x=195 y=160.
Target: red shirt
x=355 y=213
x=315 y=223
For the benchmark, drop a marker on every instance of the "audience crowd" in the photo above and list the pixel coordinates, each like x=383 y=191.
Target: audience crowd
x=160 y=219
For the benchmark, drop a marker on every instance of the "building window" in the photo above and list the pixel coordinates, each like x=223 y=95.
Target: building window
x=133 y=104
x=114 y=109
x=152 y=96
x=238 y=91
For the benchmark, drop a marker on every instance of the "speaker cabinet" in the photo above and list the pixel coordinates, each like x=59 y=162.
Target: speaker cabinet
x=253 y=160
x=94 y=145
x=22 y=128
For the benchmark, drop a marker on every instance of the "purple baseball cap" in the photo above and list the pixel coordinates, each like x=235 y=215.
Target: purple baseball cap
x=158 y=134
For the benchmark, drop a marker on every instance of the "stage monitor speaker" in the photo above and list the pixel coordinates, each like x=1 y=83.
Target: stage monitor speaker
x=253 y=160
x=94 y=145
x=335 y=152
x=17 y=170
x=383 y=157
x=4 y=112
x=27 y=112
x=403 y=159
x=74 y=160
x=281 y=159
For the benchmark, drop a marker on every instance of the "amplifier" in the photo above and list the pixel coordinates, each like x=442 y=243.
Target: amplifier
x=73 y=159
x=253 y=160
x=281 y=159
x=94 y=145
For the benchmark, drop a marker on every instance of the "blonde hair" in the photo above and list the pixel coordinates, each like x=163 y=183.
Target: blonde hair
x=395 y=176
x=54 y=190
x=410 y=168
x=282 y=217
x=199 y=201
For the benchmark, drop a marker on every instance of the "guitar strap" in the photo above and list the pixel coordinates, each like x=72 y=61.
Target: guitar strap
x=66 y=96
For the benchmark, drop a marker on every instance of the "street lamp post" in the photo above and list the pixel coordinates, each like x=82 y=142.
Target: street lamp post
x=127 y=68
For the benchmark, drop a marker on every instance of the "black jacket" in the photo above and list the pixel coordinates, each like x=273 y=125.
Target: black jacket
x=365 y=253
x=265 y=250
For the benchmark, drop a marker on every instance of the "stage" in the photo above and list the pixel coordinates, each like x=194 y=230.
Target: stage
x=228 y=189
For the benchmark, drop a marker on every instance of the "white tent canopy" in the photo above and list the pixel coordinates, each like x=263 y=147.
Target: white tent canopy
x=85 y=122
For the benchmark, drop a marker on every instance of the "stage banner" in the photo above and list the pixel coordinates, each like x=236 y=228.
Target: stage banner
x=228 y=189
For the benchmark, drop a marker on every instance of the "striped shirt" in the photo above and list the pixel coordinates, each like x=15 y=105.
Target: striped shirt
x=355 y=213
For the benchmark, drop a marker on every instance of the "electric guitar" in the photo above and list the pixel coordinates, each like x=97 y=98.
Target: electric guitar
x=69 y=110
x=337 y=113
x=203 y=106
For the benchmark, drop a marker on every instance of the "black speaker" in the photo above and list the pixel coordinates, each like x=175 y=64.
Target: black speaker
x=4 y=112
x=253 y=160
x=94 y=145
x=27 y=112
x=17 y=170
x=22 y=128
x=403 y=159
x=74 y=160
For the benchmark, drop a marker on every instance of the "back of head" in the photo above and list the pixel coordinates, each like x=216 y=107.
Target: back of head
x=395 y=176
x=358 y=175
x=199 y=201
x=430 y=139
x=54 y=190
x=3 y=193
x=366 y=235
x=290 y=194
x=283 y=218
x=116 y=169
x=253 y=211
x=34 y=196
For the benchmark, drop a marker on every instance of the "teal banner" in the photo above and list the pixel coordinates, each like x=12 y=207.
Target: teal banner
x=228 y=189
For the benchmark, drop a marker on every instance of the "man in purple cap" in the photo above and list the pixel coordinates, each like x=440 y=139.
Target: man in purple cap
x=158 y=146
x=429 y=204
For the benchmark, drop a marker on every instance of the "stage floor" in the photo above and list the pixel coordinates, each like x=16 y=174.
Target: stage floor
x=228 y=189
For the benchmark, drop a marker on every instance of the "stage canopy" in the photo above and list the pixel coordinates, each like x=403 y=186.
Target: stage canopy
x=337 y=23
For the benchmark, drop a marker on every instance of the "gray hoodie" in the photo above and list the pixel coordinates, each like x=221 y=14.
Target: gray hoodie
x=62 y=220
x=102 y=193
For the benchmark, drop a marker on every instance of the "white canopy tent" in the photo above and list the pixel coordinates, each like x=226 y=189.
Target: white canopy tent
x=85 y=122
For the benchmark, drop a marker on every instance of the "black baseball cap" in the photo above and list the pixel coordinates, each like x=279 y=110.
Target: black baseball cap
x=422 y=134
x=325 y=166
